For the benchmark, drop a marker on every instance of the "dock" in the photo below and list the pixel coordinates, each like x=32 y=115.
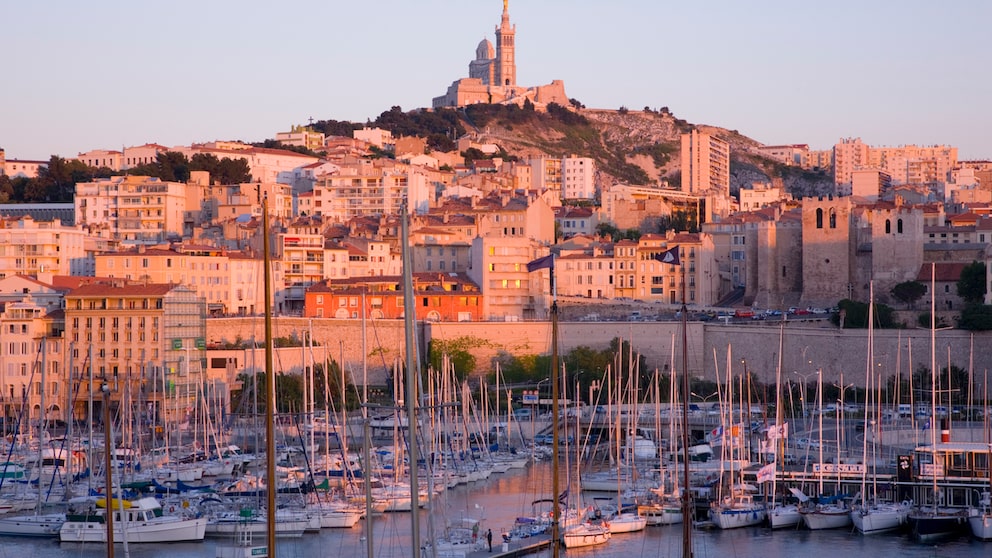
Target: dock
x=513 y=548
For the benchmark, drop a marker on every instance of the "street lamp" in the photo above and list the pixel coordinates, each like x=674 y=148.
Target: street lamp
x=802 y=395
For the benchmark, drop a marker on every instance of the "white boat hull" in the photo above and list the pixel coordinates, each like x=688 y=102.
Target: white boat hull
x=981 y=525
x=827 y=519
x=733 y=518
x=880 y=519
x=626 y=523
x=585 y=535
x=660 y=515
x=46 y=525
x=784 y=517
x=136 y=532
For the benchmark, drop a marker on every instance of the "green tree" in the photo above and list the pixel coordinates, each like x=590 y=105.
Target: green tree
x=909 y=292
x=856 y=315
x=459 y=354
x=971 y=285
x=975 y=317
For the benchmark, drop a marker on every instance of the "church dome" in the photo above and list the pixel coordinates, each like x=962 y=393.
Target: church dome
x=485 y=50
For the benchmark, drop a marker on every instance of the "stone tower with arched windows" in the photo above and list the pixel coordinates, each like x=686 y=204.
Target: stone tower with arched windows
x=829 y=251
x=506 y=64
x=890 y=239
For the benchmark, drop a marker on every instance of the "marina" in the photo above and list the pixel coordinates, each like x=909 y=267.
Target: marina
x=503 y=497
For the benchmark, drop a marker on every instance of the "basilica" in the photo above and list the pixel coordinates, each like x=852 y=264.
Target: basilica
x=492 y=76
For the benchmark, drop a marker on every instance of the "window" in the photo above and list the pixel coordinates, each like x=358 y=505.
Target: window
x=899 y=226
x=833 y=218
x=888 y=226
x=819 y=218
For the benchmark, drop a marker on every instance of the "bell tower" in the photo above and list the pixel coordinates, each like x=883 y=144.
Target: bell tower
x=506 y=64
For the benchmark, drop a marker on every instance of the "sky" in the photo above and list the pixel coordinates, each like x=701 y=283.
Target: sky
x=106 y=74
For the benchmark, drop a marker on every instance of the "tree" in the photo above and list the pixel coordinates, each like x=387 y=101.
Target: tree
x=909 y=292
x=971 y=285
x=976 y=317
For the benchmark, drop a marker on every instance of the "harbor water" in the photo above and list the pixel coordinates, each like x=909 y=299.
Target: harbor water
x=499 y=500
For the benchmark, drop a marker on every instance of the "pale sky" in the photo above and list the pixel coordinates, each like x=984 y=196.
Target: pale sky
x=105 y=74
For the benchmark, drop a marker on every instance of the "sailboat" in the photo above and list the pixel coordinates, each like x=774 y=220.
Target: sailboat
x=980 y=518
x=780 y=514
x=872 y=516
x=736 y=507
x=36 y=524
x=934 y=522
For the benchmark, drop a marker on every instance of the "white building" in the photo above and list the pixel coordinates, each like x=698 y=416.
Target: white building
x=133 y=209
x=29 y=247
x=705 y=163
x=578 y=178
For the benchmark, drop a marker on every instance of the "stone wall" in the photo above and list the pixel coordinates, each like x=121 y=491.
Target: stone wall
x=806 y=346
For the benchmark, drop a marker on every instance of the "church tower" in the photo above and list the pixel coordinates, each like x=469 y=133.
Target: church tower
x=506 y=66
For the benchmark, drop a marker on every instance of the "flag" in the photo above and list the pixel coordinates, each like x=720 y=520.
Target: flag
x=547 y=262
x=766 y=473
x=778 y=431
x=716 y=433
x=670 y=256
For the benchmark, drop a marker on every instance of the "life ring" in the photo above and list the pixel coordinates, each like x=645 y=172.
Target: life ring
x=906 y=503
x=172 y=509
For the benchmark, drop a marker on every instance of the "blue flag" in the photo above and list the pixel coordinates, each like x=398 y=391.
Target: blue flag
x=547 y=262
x=670 y=256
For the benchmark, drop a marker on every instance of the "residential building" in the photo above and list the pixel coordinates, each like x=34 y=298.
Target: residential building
x=229 y=281
x=21 y=168
x=137 y=338
x=372 y=187
x=30 y=337
x=439 y=297
x=576 y=220
x=586 y=274
x=794 y=155
x=30 y=247
x=141 y=155
x=102 y=158
x=499 y=267
x=578 y=178
x=705 y=164
x=302 y=136
x=132 y=209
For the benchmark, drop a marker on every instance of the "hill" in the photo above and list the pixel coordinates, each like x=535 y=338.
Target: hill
x=630 y=146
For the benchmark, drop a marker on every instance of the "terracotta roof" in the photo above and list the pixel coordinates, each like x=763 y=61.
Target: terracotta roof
x=943 y=272
x=105 y=289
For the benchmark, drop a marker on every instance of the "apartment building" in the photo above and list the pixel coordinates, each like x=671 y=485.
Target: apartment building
x=499 y=267
x=439 y=297
x=229 y=281
x=137 y=338
x=302 y=136
x=30 y=247
x=588 y=275
x=662 y=282
x=132 y=209
x=372 y=188
x=32 y=362
x=705 y=164
x=578 y=178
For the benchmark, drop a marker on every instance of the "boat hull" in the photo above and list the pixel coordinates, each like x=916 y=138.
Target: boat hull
x=585 y=535
x=180 y=530
x=932 y=527
x=981 y=525
x=734 y=518
x=880 y=519
x=47 y=525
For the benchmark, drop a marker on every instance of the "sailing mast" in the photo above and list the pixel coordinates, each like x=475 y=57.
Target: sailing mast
x=671 y=256
x=555 y=452
x=270 y=387
x=411 y=380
